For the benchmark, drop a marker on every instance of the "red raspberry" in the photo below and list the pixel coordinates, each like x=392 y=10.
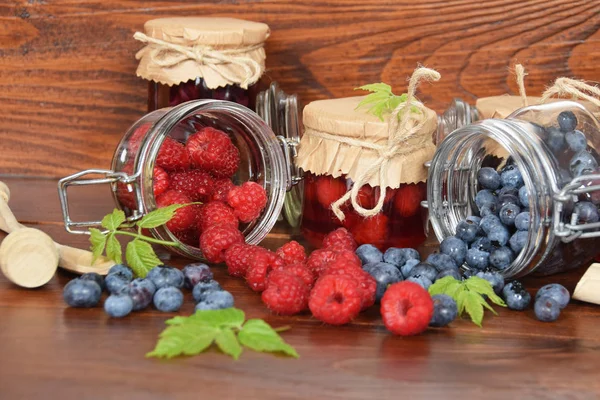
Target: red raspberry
x=261 y=264
x=408 y=200
x=160 y=181
x=299 y=270
x=368 y=196
x=217 y=239
x=372 y=230
x=135 y=140
x=341 y=239
x=189 y=237
x=406 y=308
x=196 y=184
x=335 y=299
x=211 y=150
x=285 y=294
x=329 y=189
x=366 y=283
x=292 y=253
x=215 y=213
x=318 y=260
x=126 y=191
x=184 y=218
x=238 y=257
x=247 y=200
x=221 y=188
x=172 y=156
x=344 y=258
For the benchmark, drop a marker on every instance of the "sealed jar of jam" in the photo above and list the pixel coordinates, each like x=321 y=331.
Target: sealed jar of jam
x=547 y=158
x=189 y=58
x=200 y=151
x=347 y=154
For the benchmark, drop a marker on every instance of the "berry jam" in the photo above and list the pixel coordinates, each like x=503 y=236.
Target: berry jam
x=161 y=96
x=400 y=223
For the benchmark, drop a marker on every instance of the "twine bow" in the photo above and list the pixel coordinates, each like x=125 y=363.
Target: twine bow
x=399 y=131
x=166 y=55
x=575 y=88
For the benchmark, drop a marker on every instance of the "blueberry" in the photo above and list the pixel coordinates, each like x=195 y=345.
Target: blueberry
x=384 y=274
x=421 y=281
x=522 y=221
x=369 y=254
x=467 y=230
x=558 y=292
x=546 y=309
x=141 y=292
x=201 y=288
x=441 y=261
x=448 y=272
x=567 y=121
x=515 y=296
x=576 y=140
x=474 y=219
x=195 y=273
x=168 y=299
x=485 y=197
x=82 y=293
x=508 y=191
x=518 y=241
x=478 y=259
x=118 y=305
x=121 y=269
x=587 y=212
x=444 y=310
x=115 y=283
x=92 y=276
x=398 y=257
x=499 y=235
x=511 y=177
x=489 y=223
x=483 y=244
x=164 y=276
x=582 y=163
x=564 y=177
x=508 y=214
x=408 y=266
x=502 y=257
x=494 y=278
x=455 y=248
x=216 y=300
x=486 y=210
x=488 y=178
x=524 y=197
x=556 y=140
x=426 y=270
x=508 y=199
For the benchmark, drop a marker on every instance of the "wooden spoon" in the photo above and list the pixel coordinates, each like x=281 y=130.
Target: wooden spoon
x=29 y=257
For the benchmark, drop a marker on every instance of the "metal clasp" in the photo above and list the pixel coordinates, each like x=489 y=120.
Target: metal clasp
x=110 y=177
x=568 y=194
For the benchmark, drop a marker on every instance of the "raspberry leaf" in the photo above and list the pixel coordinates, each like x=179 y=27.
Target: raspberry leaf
x=186 y=339
x=226 y=318
x=257 y=335
x=141 y=257
x=113 y=249
x=113 y=220
x=473 y=305
x=485 y=288
x=442 y=286
x=228 y=343
x=159 y=217
x=376 y=88
x=381 y=101
x=98 y=242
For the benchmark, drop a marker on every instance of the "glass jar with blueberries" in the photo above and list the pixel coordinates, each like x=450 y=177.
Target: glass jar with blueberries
x=520 y=194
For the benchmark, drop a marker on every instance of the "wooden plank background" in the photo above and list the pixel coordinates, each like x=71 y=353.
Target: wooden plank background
x=68 y=88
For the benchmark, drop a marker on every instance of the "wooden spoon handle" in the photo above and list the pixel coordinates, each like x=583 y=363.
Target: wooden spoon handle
x=8 y=222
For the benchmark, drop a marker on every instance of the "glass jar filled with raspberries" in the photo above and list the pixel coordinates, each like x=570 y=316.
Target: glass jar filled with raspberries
x=190 y=58
x=520 y=194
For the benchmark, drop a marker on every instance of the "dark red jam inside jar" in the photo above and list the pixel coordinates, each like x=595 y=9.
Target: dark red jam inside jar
x=400 y=223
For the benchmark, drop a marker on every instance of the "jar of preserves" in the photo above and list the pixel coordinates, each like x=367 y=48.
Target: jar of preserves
x=189 y=58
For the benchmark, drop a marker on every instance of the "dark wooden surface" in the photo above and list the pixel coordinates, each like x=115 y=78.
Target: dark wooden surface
x=48 y=350
x=68 y=88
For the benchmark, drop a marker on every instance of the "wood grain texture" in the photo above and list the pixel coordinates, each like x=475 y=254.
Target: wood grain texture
x=67 y=70
x=51 y=351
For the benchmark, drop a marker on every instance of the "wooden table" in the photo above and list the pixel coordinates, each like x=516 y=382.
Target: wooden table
x=48 y=350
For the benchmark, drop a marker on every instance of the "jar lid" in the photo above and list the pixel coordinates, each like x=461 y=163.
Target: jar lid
x=341 y=139
x=222 y=51
x=504 y=105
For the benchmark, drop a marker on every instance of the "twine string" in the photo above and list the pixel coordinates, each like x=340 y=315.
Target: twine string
x=576 y=89
x=520 y=76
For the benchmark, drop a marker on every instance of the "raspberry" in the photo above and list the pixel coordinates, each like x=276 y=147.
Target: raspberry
x=160 y=181
x=368 y=196
x=215 y=213
x=126 y=191
x=221 y=188
x=299 y=270
x=335 y=299
x=292 y=253
x=217 y=239
x=189 y=237
x=285 y=294
x=344 y=258
x=196 y=184
x=135 y=140
x=329 y=189
x=211 y=150
x=237 y=258
x=247 y=201
x=341 y=239
x=261 y=264
x=318 y=260
x=408 y=200
x=366 y=283
x=406 y=308
x=184 y=218
x=172 y=156
x=372 y=230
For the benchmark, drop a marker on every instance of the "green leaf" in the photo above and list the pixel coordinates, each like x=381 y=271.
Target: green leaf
x=472 y=304
x=257 y=335
x=484 y=287
x=159 y=217
x=228 y=343
x=224 y=318
x=441 y=286
x=376 y=87
x=113 y=249
x=186 y=339
x=113 y=220
x=461 y=297
x=98 y=242
x=141 y=257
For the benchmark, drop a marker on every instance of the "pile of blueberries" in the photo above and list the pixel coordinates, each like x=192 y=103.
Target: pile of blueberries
x=162 y=287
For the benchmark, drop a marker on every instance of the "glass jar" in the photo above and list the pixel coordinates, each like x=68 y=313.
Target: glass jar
x=557 y=240
x=457 y=115
x=264 y=158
